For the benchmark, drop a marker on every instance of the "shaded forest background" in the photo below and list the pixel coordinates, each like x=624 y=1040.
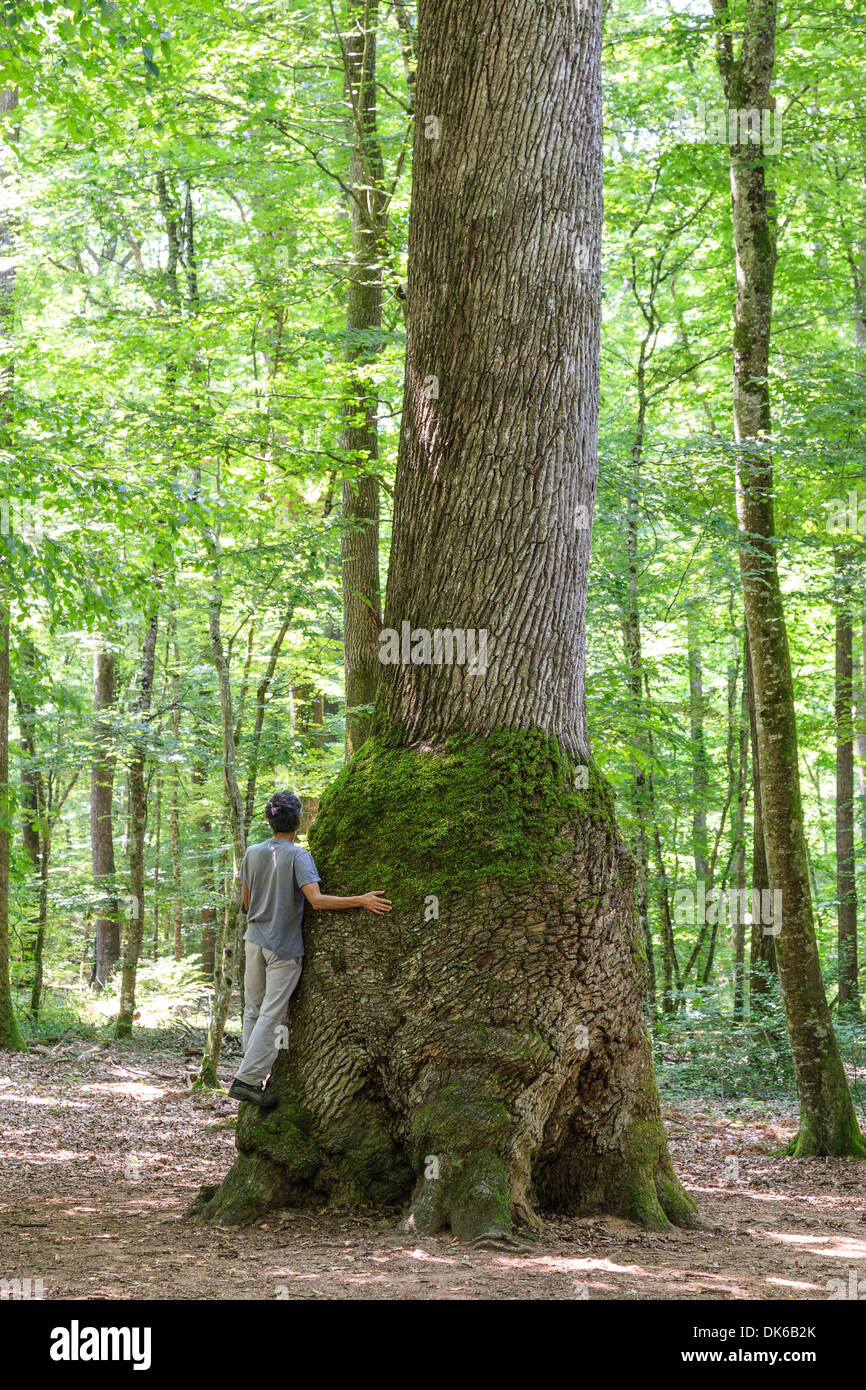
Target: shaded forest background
x=180 y=471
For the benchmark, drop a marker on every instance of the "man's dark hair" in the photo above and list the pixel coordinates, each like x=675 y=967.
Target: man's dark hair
x=283 y=812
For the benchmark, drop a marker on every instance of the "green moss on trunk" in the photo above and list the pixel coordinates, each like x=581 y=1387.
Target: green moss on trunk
x=486 y=1060
x=449 y=818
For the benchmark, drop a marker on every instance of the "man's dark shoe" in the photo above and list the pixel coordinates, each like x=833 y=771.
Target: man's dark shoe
x=242 y=1090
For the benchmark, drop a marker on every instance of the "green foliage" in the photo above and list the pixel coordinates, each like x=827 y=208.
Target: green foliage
x=174 y=199
x=700 y=1051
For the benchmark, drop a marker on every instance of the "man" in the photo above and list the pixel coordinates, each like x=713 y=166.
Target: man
x=277 y=875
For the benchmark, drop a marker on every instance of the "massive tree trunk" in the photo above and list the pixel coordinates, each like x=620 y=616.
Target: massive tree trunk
x=846 y=882
x=482 y=1051
x=137 y=828
x=828 y=1124
x=360 y=437
x=107 y=946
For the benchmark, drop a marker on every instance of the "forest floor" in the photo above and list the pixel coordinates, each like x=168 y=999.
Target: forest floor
x=102 y=1147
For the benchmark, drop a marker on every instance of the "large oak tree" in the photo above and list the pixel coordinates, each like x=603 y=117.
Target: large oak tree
x=482 y=1052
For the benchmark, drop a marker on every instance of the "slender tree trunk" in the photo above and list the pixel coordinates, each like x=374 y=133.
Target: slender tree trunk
x=762 y=944
x=670 y=964
x=231 y=934
x=10 y=1036
x=41 y=925
x=205 y=867
x=208 y=911
x=732 y=768
x=828 y=1124
x=174 y=812
x=739 y=926
x=482 y=1050
x=643 y=809
x=259 y=720
x=32 y=803
x=174 y=842
x=157 y=822
x=699 y=752
x=860 y=738
x=137 y=828
x=846 y=880
x=107 y=946
x=360 y=439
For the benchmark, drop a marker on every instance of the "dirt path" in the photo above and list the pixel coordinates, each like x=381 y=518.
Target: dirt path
x=101 y=1150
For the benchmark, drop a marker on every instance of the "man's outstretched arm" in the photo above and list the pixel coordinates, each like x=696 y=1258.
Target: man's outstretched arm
x=375 y=901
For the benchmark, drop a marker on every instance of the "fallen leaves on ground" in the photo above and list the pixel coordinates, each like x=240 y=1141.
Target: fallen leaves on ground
x=102 y=1149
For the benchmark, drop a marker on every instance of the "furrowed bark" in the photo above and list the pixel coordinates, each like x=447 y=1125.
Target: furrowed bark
x=482 y=1053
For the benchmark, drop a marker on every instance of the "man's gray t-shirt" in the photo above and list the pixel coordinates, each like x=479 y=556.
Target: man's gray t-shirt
x=275 y=871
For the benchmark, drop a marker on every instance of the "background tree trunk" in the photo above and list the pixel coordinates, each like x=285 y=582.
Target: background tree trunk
x=137 y=828
x=762 y=945
x=33 y=814
x=157 y=829
x=10 y=1035
x=828 y=1124
x=739 y=928
x=174 y=813
x=107 y=929
x=483 y=1050
x=699 y=752
x=846 y=880
x=231 y=934
x=360 y=436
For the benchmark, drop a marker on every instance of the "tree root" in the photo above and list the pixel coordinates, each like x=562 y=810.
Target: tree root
x=252 y=1188
x=657 y=1201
